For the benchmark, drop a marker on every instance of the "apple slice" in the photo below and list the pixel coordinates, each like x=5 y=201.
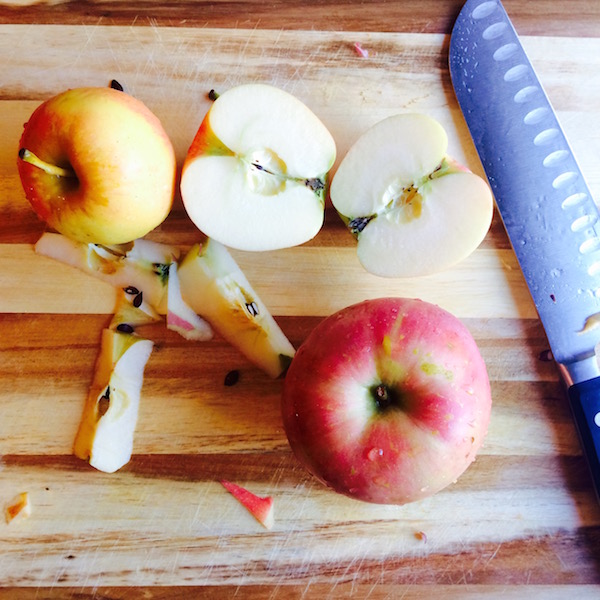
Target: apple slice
x=141 y=265
x=180 y=317
x=106 y=431
x=213 y=285
x=256 y=174
x=132 y=311
x=18 y=508
x=413 y=210
x=262 y=509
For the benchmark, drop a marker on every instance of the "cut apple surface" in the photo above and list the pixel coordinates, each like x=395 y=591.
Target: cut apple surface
x=262 y=509
x=413 y=210
x=106 y=432
x=256 y=174
x=18 y=508
x=180 y=317
x=132 y=311
x=142 y=265
x=215 y=287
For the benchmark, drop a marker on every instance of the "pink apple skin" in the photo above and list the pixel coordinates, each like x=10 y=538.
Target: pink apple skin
x=437 y=417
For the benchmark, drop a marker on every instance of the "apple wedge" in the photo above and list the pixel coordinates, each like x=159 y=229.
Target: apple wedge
x=105 y=435
x=142 y=265
x=262 y=509
x=132 y=311
x=413 y=210
x=256 y=174
x=214 y=286
x=180 y=317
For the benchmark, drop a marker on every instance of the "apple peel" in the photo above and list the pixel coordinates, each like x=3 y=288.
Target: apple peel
x=180 y=317
x=261 y=508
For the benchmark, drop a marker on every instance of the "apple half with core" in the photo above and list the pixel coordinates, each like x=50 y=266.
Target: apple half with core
x=387 y=401
x=413 y=210
x=97 y=165
x=213 y=286
x=256 y=174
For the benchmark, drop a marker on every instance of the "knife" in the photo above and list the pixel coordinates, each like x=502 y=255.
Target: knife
x=542 y=197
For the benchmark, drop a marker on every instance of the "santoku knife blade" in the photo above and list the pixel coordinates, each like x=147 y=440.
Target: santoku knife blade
x=542 y=197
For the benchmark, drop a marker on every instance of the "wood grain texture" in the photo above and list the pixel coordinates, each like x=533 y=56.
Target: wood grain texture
x=574 y=18
x=521 y=522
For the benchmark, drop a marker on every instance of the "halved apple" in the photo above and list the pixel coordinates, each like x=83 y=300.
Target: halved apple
x=215 y=287
x=413 y=210
x=105 y=435
x=141 y=265
x=256 y=174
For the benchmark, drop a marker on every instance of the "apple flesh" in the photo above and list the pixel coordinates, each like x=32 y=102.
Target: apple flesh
x=387 y=401
x=106 y=432
x=97 y=165
x=215 y=287
x=180 y=317
x=413 y=210
x=132 y=311
x=256 y=174
x=141 y=267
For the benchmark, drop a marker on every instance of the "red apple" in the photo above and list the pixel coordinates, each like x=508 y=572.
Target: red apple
x=387 y=401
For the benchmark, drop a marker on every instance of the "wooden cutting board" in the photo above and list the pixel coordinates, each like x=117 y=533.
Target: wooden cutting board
x=523 y=520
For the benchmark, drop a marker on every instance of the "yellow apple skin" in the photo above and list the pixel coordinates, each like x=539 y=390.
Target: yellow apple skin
x=122 y=159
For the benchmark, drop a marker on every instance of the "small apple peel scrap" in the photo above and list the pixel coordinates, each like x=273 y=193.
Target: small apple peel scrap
x=19 y=507
x=362 y=52
x=260 y=508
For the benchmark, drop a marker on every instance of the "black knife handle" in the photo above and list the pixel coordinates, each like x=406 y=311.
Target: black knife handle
x=585 y=404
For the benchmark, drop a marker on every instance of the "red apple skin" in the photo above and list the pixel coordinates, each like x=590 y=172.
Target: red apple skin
x=440 y=410
x=124 y=162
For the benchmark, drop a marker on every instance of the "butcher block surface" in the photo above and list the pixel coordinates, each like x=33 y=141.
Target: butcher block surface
x=522 y=522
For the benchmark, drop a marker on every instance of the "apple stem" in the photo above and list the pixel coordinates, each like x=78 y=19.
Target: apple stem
x=32 y=159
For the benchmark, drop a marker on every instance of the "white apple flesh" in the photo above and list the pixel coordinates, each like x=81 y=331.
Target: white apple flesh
x=106 y=432
x=141 y=265
x=387 y=401
x=215 y=287
x=255 y=176
x=180 y=317
x=413 y=210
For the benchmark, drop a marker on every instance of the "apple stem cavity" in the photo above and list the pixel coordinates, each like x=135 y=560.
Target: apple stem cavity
x=29 y=157
x=386 y=398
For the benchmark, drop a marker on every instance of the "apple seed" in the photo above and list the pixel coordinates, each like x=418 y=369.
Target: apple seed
x=103 y=403
x=231 y=378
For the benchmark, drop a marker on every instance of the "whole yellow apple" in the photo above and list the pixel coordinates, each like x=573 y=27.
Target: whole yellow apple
x=97 y=165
